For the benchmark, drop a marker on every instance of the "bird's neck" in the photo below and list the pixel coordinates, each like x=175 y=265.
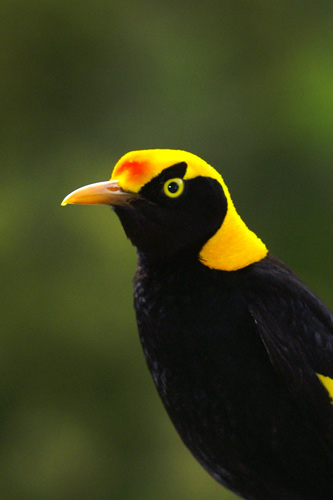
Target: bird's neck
x=233 y=246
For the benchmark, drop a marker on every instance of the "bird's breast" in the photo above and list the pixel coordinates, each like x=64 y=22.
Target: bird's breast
x=215 y=378
x=196 y=333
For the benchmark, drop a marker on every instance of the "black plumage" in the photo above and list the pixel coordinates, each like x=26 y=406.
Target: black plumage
x=241 y=392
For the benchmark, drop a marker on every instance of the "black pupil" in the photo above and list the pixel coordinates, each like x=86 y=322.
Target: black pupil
x=173 y=187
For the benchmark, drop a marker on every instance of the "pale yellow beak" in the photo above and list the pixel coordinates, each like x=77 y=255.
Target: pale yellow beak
x=99 y=193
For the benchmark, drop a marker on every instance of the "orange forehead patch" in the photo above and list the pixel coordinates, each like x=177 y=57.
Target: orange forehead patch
x=133 y=174
x=133 y=167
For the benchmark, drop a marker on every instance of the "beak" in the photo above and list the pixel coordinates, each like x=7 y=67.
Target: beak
x=100 y=193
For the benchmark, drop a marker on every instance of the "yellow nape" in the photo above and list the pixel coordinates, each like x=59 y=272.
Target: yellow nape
x=328 y=383
x=234 y=246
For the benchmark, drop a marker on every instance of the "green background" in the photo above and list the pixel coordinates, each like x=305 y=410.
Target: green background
x=248 y=86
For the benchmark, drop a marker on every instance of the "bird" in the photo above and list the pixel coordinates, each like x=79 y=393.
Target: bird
x=239 y=348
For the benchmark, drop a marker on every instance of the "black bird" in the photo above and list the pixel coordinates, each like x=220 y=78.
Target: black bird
x=240 y=350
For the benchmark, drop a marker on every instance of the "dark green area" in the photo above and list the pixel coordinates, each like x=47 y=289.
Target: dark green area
x=247 y=86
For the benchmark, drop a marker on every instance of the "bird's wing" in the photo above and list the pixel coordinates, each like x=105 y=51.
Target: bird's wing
x=297 y=331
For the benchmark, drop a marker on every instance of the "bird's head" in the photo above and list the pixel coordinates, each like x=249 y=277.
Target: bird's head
x=173 y=204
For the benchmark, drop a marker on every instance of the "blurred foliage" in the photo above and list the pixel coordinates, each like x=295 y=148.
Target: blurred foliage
x=247 y=86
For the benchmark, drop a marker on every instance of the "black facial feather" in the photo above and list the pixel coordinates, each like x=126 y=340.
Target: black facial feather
x=162 y=227
x=153 y=190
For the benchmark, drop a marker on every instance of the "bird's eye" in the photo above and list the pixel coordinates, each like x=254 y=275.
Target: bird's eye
x=174 y=187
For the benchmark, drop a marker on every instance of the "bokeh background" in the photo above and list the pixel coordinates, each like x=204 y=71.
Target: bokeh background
x=247 y=85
